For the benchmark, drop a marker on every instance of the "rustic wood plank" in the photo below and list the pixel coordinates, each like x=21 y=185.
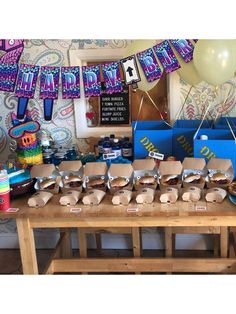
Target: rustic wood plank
x=196 y=230
x=133 y=221
x=168 y=242
x=157 y=265
x=27 y=246
x=49 y=269
x=82 y=243
x=224 y=241
x=216 y=244
x=66 y=249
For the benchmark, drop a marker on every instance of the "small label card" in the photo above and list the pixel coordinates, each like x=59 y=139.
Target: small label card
x=76 y=210
x=12 y=210
x=132 y=210
x=156 y=155
x=200 y=208
x=110 y=156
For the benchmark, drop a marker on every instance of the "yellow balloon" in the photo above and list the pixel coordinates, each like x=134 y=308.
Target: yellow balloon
x=215 y=60
x=138 y=46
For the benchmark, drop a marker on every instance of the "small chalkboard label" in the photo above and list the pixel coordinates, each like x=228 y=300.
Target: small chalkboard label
x=115 y=108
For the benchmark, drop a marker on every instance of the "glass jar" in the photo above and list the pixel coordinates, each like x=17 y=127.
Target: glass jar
x=47 y=158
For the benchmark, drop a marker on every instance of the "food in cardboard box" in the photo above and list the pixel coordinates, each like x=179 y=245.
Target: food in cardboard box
x=39 y=199
x=70 y=197
x=194 y=172
x=93 y=197
x=216 y=195
x=72 y=181
x=169 y=195
x=170 y=179
x=219 y=178
x=191 y=194
x=232 y=188
x=96 y=183
x=122 y=197
x=145 y=196
x=145 y=174
x=95 y=176
x=220 y=173
x=170 y=174
x=47 y=183
x=119 y=182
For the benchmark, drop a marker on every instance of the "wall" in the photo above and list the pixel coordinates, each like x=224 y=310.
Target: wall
x=62 y=126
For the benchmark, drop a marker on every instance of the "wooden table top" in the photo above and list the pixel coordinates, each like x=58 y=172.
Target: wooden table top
x=105 y=209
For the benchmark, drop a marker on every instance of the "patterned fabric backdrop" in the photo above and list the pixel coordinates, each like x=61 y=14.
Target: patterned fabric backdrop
x=62 y=126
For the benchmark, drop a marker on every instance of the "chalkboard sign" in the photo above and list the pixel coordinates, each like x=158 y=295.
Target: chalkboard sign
x=115 y=108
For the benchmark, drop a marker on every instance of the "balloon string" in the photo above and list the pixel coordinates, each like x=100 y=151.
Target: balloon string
x=139 y=111
x=154 y=104
x=182 y=107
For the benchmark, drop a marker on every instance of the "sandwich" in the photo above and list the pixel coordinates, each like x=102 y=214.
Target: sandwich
x=48 y=184
x=119 y=182
x=147 y=180
x=193 y=178
x=219 y=178
x=170 y=179
x=232 y=188
x=96 y=183
x=72 y=181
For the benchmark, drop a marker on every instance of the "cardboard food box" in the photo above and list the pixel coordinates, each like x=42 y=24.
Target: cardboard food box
x=120 y=177
x=194 y=172
x=48 y=179
x=220 y=173
x=170 y=173
x=95 y=176
x=145 y=174
x=71 y=173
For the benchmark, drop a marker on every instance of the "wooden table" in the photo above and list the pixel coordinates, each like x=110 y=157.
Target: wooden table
x=105 y=215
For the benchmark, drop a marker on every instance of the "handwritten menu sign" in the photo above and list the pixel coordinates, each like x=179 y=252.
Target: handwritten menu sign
x=115 y=108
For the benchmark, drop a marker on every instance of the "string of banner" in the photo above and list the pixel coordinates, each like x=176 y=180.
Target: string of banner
x=23 y=79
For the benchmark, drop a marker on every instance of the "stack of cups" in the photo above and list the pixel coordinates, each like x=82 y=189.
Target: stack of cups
x=4 y=190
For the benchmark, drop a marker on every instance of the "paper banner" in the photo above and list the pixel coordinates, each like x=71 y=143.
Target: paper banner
x=130 y=70
x=92 y=80
x=49 y=83
x=8 y=76
x=112 y=77
x=25 y=86
x=184 y=47
x=149 y=65
x=70 y=77
x=167 y=57
x=13 y=49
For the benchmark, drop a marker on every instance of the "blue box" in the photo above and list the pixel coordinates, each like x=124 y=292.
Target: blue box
x=220 y=144
x=221 y=123
x=152 y=136
x=183 y=132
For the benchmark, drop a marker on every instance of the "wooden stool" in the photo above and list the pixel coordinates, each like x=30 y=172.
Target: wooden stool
x=82 y=237
x=220 y=236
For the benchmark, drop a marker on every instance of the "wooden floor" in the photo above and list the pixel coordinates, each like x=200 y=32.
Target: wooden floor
x=10 y=262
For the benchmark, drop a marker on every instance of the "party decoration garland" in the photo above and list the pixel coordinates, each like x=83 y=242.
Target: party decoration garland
x=150 y=60
x=25 y=86
x=112 y=77
x=70 y=77
x=167 y=57
x=149 y=65
x=130 y=70
x=92 y=80
x=49 y=84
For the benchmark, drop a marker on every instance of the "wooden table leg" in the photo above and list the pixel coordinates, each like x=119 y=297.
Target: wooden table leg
x=136 y=243
x=168 y=242
x=27 y=246
x=82 y=243
x=66 y=249
x=224 y=241
x=216 y=245
x=98 y=238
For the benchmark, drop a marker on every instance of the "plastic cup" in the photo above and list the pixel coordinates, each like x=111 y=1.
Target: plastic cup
x=5 y=200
